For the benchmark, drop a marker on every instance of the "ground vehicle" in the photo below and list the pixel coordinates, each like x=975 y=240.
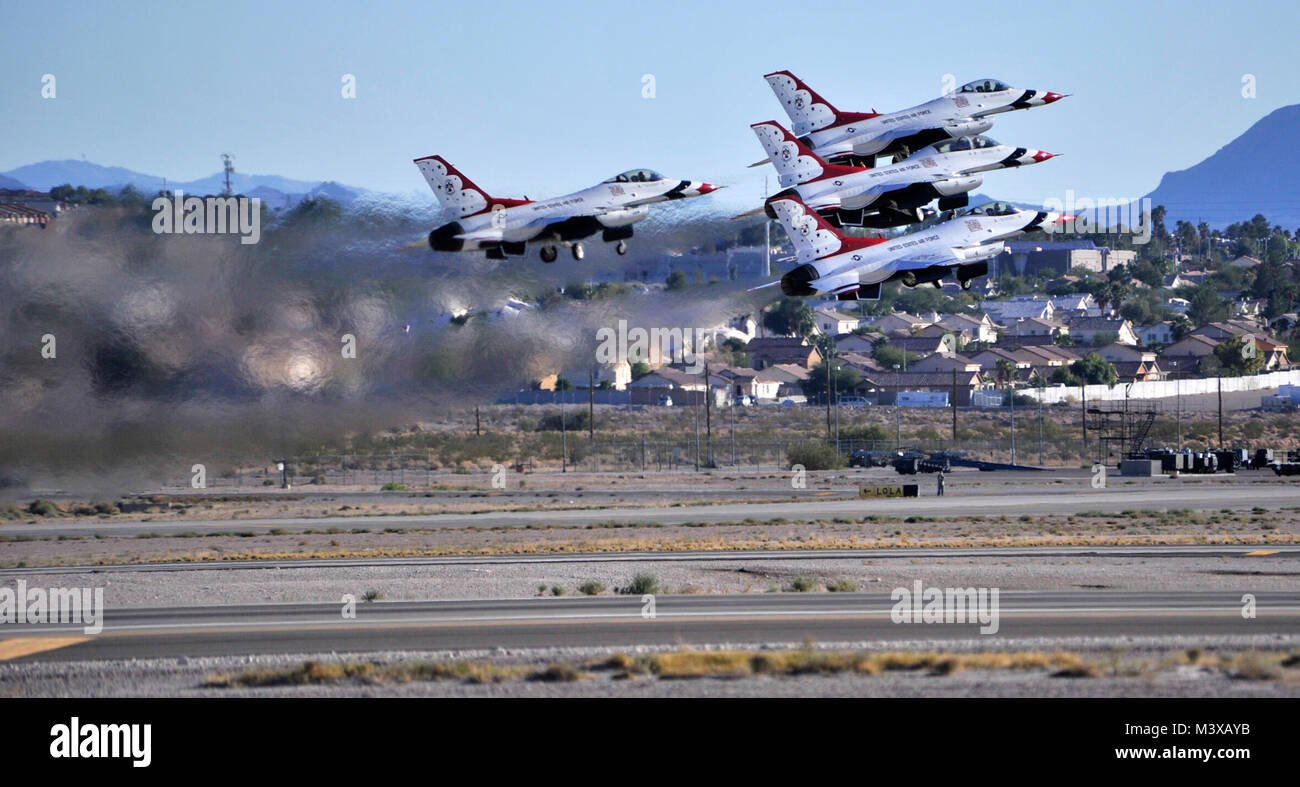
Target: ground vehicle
x=665 y=401
x=863 y=458
x=911 y=465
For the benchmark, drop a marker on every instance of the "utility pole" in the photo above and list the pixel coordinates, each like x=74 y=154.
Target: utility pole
x=827 y=361
x=898 y=386
x=591 y=406
x=708 y=418
x=1083 y=417
x=733 y=432
x=835 y=384
x=1220 y=379
x=227 y=167
x=1012 y=399
x=477 y=432
x=1040 y=431
x=696 y=412
x=954 y=408
x=767 y=237
x=564 y=438
x=1178 y=412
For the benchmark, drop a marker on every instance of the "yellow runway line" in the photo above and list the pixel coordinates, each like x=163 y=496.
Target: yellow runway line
x=25 y=646
x=1261 y=553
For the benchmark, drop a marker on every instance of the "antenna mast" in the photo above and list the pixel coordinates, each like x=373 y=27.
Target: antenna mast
x=228 y=166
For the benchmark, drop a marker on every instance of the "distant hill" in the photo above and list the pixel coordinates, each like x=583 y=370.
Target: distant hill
x=11 y=183
x=273 y=189
x=1254 y=173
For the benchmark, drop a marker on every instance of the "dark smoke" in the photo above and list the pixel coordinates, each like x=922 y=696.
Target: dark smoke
x=177 y=349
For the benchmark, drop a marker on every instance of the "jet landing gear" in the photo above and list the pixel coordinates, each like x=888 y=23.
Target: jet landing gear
x=908 y=279
x=550 y=253
x=965 y=283
x=621 y=248
x=578 y=251
x=938 y=284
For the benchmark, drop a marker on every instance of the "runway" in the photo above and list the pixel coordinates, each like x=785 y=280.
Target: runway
x=622 y=621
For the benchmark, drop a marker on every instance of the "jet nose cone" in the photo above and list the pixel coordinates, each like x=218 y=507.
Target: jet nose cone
x=705 y=188
x=1040 y=156
x=1051 y=97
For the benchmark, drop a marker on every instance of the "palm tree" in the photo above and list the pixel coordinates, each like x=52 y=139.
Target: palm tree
x=1006 y=370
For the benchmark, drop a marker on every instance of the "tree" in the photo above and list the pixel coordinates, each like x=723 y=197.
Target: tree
x=1092 y=369
x=889 y=356
x=675 y=281
x=1238 y=356
x=1206 y=305
x=790 y=317
x=1005 y=370
x=640 y=369
x=842 y=381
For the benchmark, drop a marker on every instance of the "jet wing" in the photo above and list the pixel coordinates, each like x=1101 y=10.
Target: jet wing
x=929 y=260
x=498 y=233
x=492 y=233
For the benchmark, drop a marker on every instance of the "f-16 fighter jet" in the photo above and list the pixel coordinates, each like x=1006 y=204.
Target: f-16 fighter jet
x=855 y=268
x=504 y=226
x=891 y=195
x=858 y=137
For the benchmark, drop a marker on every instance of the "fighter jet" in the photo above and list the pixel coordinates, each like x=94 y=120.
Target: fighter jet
x=855 y=268
x=858 y=137
x=502 y=226
x=891 y=195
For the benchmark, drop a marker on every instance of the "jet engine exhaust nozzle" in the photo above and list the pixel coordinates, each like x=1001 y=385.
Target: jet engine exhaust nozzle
x=796 y=282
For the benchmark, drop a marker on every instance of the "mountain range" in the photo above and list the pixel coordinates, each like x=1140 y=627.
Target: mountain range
x=274 y=190
x=1254 y=173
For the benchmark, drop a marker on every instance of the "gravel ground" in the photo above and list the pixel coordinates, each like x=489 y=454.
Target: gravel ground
x=125 y=588
x=184 y=677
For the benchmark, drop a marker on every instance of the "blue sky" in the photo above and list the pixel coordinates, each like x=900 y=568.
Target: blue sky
x=542 y=98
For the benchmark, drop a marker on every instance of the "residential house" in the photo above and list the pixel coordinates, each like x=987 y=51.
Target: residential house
x=1089 y=330
x=1183 y=357
x=924 y=345
x=898 y=321
x=1006 y=312
x=756 y=385
x=856 y=342
x=789 y=379
x=945 y=362
x=1033 y=330
x=682 y=387
x=886 y=385
x=1080 y=303
x=769 y=350
x=1187 y=278
x=834 y=322
x=1160 y=333
x=859 y=360
x=1054 y=258
x=978 y=326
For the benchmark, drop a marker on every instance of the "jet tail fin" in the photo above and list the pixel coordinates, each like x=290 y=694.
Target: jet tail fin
x=456 y=192
x=812 y=236
x=808 y=111
x=794 y=161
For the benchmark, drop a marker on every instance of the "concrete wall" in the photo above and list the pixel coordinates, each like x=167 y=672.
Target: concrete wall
x=1163 y=388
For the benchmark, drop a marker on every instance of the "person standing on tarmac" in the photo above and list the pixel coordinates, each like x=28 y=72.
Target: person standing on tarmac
x=939 y=480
